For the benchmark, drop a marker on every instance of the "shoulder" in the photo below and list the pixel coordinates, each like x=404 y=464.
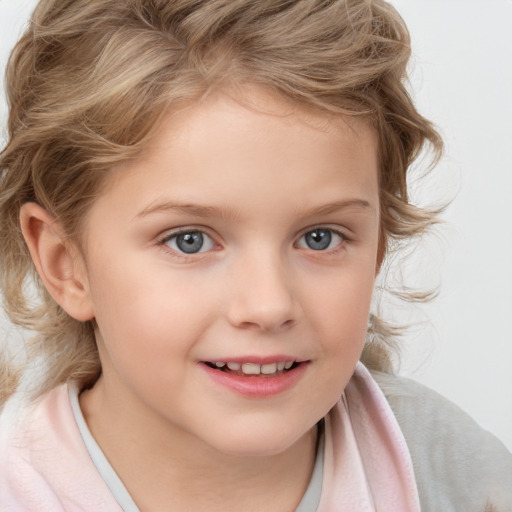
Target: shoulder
x=45 y=465
x=458 y=465
x=23 y=437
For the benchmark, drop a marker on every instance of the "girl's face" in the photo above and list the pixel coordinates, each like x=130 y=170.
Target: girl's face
x=245 y=240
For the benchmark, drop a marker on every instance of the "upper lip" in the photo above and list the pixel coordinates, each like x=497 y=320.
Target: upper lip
x=257 y=359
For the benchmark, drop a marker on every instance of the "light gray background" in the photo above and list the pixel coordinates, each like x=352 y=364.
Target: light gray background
x=460 y=345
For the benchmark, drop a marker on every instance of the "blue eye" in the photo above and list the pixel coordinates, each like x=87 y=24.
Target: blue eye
x=320 y=239
x=189 y=242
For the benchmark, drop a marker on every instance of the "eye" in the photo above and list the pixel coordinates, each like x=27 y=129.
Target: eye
x=320 y=239
x=189 y=242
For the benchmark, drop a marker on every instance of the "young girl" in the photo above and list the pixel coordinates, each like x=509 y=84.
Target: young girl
x=203 y=192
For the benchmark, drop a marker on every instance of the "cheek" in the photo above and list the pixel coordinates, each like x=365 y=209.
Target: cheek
x=137 y=308
x=342 y=331
x=342 y=307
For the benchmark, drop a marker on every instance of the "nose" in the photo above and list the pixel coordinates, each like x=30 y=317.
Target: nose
x=263 y=295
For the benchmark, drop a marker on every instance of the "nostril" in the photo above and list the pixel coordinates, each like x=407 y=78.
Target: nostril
x=267 y=326
x=262 y=313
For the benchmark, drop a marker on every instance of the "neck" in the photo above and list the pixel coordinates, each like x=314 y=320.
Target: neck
x=167 y=466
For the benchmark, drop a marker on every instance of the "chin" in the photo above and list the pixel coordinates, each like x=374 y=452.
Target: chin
x=259 y=442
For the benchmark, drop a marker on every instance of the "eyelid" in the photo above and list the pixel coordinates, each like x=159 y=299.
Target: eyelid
x=172 y=232
x=162 y=241
x=342 y=232
x=334 y=230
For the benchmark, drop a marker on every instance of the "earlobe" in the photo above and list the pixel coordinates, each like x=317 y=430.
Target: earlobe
x=58 y=263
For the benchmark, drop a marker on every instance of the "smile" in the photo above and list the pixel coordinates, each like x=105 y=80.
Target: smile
x=268 y=369
x=256 y=377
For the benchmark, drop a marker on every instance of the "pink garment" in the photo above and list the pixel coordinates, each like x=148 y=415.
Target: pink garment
x=45 y=466
x=367 y=465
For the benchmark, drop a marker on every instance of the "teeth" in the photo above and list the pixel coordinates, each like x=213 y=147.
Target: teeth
x=256 y=369
x=251 y=369
x=267 y=369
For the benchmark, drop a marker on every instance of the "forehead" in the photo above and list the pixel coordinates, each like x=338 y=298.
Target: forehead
x=252 y=150
x=258 y=121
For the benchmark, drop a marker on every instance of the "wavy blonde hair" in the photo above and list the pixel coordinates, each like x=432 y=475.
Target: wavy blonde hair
x=90 y=80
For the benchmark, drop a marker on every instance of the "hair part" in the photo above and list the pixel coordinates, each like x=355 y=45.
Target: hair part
x=90 y=80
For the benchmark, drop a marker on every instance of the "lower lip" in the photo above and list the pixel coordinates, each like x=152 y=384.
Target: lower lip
x=257 y=386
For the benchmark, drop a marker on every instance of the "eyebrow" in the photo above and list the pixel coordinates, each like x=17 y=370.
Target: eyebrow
x=339 y=205
x=196 y=210
x=204 y=211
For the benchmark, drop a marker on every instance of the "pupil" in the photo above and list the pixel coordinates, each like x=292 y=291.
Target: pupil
x=190 y=242
x=319 y=239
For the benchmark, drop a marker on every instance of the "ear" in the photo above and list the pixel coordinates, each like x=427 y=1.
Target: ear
x=58 y=262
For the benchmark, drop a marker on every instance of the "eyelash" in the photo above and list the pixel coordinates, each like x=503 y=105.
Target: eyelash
x=343 y=239
x=164 y=241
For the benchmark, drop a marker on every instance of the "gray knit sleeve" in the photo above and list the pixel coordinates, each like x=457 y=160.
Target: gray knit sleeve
x=458 y=465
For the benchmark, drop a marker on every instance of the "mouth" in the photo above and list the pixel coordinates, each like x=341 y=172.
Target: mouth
x=244 y=369
x=256 y=378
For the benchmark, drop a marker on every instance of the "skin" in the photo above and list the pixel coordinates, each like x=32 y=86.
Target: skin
x=260 y=173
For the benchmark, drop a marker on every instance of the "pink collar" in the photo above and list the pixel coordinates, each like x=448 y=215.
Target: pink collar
x=367 y=465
